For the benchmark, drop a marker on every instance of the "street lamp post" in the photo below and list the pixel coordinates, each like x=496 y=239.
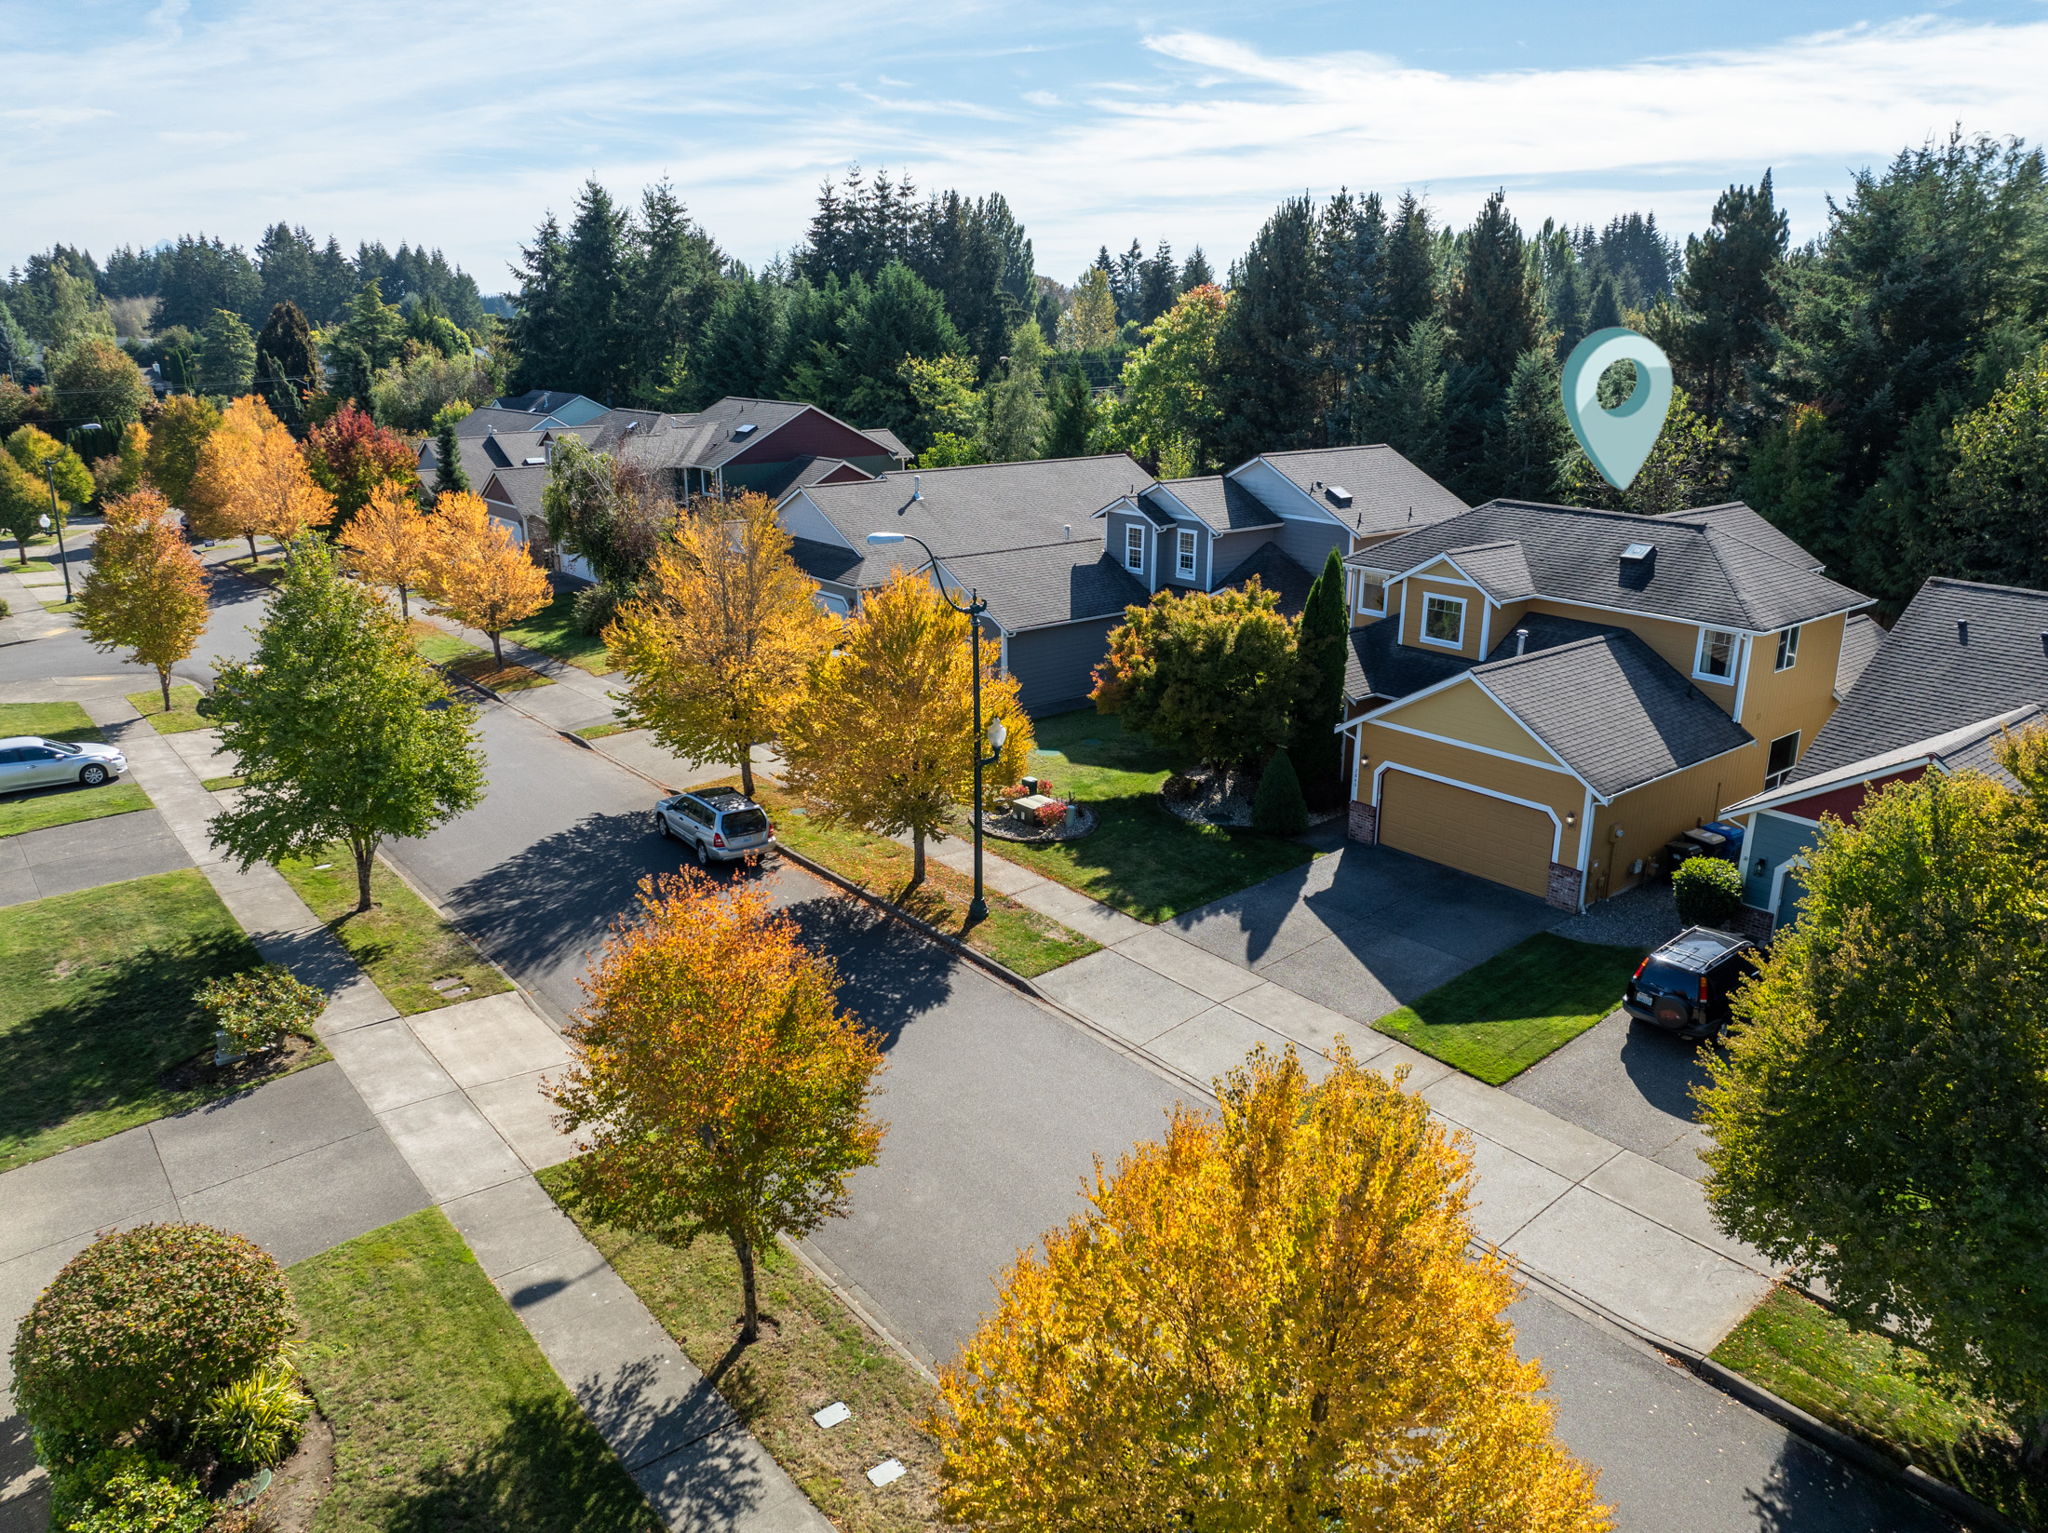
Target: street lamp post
x=56 y=519
x=997 y=731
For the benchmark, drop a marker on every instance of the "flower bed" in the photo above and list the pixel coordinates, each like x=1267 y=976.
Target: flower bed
x=1071 y=823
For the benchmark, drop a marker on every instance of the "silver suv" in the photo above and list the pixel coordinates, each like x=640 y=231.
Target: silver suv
x=718 y=824
x=29 y=761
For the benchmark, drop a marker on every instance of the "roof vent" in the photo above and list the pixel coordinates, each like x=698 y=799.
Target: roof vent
x=1337 y=495
x=1521 y=641
x=489 y=429
x=534 y=462
x=744 y=428
x=632 y=426
x=1639 y=560
x=917 y=487
x=1067 y=535
x=1962 y=630
x=2044 y=641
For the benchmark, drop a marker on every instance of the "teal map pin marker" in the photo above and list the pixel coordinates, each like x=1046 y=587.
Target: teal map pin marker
x=1618 y=440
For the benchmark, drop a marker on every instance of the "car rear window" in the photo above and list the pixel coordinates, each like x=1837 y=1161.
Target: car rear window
x=1666 y=976
x=745 y=822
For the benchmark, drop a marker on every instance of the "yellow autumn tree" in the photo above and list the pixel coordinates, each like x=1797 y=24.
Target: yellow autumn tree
x=884 y=736
x=251 y=478
x=146 y=590
x=1266 y=1320
x=476 y=574
x=716 y=647
x=388 y=542
x=715 y=1084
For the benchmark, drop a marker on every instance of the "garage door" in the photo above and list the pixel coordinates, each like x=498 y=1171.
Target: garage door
x=1490 y=837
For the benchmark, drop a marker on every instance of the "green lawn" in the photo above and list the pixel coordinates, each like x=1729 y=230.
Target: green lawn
x=1496 y=1020
x=1140 y=859
x=553 y=631
x=222 y=784
x=602 y=731
x=1017 y=937
x=184 y=712
x=811 y=1353
x=96 y=1001
x=509 y=677
x=58 y=604
x=445 y=1413
x=41 y=808
x=33 y=567
x=1873 y=1389
x=438 y=646
x=400 y=942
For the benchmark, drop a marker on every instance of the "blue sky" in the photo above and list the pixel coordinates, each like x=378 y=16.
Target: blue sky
x=457 y=123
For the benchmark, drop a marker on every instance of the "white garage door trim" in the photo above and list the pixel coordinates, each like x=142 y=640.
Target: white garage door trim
x=1556 y=825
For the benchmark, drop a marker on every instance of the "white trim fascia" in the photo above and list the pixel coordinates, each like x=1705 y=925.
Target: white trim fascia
x=1624 y=792
x=1123 y=555
x=804 y=495
x=1738 y=657
x=1742 y=676
x=1767 y=801
x=1120 y=503
x=1414 y=697
x=1585 y=846
x=1486 y=750
x=1186 y=538
x=1562 y=764
x=1556 y=824
x=1422 y=622
x=1469 y=580
x=1780 y=814
x=1322 y=513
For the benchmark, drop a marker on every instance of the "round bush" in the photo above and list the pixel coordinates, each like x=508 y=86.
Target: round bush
x=1278 y=807
x=125 y=1490
x=594 y=608
x=258 y=1007
x=145 y=1325
x=1707 y=891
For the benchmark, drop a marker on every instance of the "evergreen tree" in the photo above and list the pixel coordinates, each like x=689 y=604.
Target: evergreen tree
x=286 y=358
x=448 y=470
x=894 y=318
x=1126 y=280
x=227 y=354
x=1158 y=284
x=284 y=266
x=1070 y=422
x=1268 y=354
x=1196 y=271
x=1730 y=303
x=675 y=281
x=541 y=329
x=1531 y=438
x=1323 y=645
x=1017 y=417
x=1412 y=289
x=743 y=342
x=1352 y=309
x=597 y=327
x=1495 y=315
x=1408 y=399
x=18 y=359
x=368 y=340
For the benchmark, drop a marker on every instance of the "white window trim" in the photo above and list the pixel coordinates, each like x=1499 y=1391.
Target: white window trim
x=1364 y=585
x=1788 y=647
x=1186 y=554
x=1134 y=543
x=1777 y=779
x=1699 y=657
x=1422 y=621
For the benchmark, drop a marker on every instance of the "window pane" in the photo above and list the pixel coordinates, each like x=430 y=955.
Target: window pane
x=1788 y=648
x=1443 y=620
x=1717 y=653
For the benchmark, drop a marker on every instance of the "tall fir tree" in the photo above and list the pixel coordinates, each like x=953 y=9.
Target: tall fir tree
x=1268 y=356
x=1196 y=271
x=540 y=330
x=1352 y=309
x=597 y=325
x=1072 y=413
x=1530 y=438
x=674 y=282
x=1494 y=315
x=743 y=340
x=1730 y=303
x=1408 y=399
x=1412 y=290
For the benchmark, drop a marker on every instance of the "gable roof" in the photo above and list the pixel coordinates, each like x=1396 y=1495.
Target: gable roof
x=489 y=418
x=1278 y=572
x=1701 y=573
x=1388 y=493
x=1380 y=665
x=1973 y=747
x=883 y=437
x=482 y=456
x=1925 y=679
x=1053 y=583
x=574 y=409
x=522 y=489
x=1501 y=569
x=976 y=509
x=1223 y=504
x=1752 y=527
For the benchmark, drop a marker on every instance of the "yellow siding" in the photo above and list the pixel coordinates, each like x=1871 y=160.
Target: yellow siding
x=1487 y=837
x=1676 y=642
x=1413 y=591
x=1649 y=816
x=1777 y=702
x=1561 y=791
x=1464 y=712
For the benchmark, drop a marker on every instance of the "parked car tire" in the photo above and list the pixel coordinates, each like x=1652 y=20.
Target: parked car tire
x=661 y=824
x=93 y=775
x=703 y=856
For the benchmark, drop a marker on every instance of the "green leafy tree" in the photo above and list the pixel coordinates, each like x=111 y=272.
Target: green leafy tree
x=344 y=733
x=1170 y=390
x=1211 y=675
x=949 y=406
x=1089 y=323
x=1991 y=524
x=606 y=511
x=1324 y=648
x=99 y=381
x=895 y=317
x=1017 y=417
x=744 y=338
x=227 y=354
x=1880 y=1118
x=146 y=590
x=1687 y=468
x=42 y=463
x=18 y=356
x=1707 y=891
x=24 y=500
x=370 y=338
x=181 y=430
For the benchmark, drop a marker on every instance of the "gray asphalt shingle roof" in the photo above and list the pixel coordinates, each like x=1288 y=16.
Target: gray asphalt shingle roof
x=1751 y=526
x=490 y=418
x=1613 y=710
x=1700 y=573
x=1502 y=569
x=1387 y=491
x=1380 y=665
x=1277 y=572
x=1223 y=504
x=1861 y=634
x=1056 y=583
x=1926 y=679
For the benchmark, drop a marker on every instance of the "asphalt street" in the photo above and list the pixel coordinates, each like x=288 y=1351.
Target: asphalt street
x=997 y=1110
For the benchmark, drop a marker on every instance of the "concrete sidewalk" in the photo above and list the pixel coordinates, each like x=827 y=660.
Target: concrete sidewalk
x=1615 y=1229
x=456 y=1092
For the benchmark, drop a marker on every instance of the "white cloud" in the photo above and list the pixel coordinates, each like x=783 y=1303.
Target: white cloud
x=380 y=121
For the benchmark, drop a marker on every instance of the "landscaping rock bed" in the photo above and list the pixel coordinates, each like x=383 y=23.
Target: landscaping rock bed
x=1641 y=918
x=1079 y=822
x=1211 y=798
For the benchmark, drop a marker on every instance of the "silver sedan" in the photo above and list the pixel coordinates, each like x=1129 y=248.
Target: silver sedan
x=30 y=761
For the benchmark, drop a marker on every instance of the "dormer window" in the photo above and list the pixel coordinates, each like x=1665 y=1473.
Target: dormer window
x=1184 y=554
x=1372 y=594
x=1716 y=658
x=1134 y=549
x=1443 y=621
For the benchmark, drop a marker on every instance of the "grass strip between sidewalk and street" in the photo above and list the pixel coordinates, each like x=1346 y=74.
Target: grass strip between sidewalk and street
x=222 y=784
x=1500 y=1017
x=401 y=943
x=445 y=1412
x=96 y=1005
x=603 y=731
x=466 y=660
x=553 y=631
x=1880 y=1392
x=1140 y=858
x=812 y=1352
x=184 y=710
x=1019 y=938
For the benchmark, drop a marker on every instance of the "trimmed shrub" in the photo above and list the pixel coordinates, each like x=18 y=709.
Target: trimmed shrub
x=1051 y=814
x=145 y=1325
x=1278 y=807
x=255 y=1421
x=593 y=608
x=258 y=1007
x=125 y=1490
x=1707 y=891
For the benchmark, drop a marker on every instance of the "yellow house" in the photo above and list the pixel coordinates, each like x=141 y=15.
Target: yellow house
x=1545 y=696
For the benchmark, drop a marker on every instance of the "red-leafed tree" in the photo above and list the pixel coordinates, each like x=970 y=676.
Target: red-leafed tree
x=349 y=455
